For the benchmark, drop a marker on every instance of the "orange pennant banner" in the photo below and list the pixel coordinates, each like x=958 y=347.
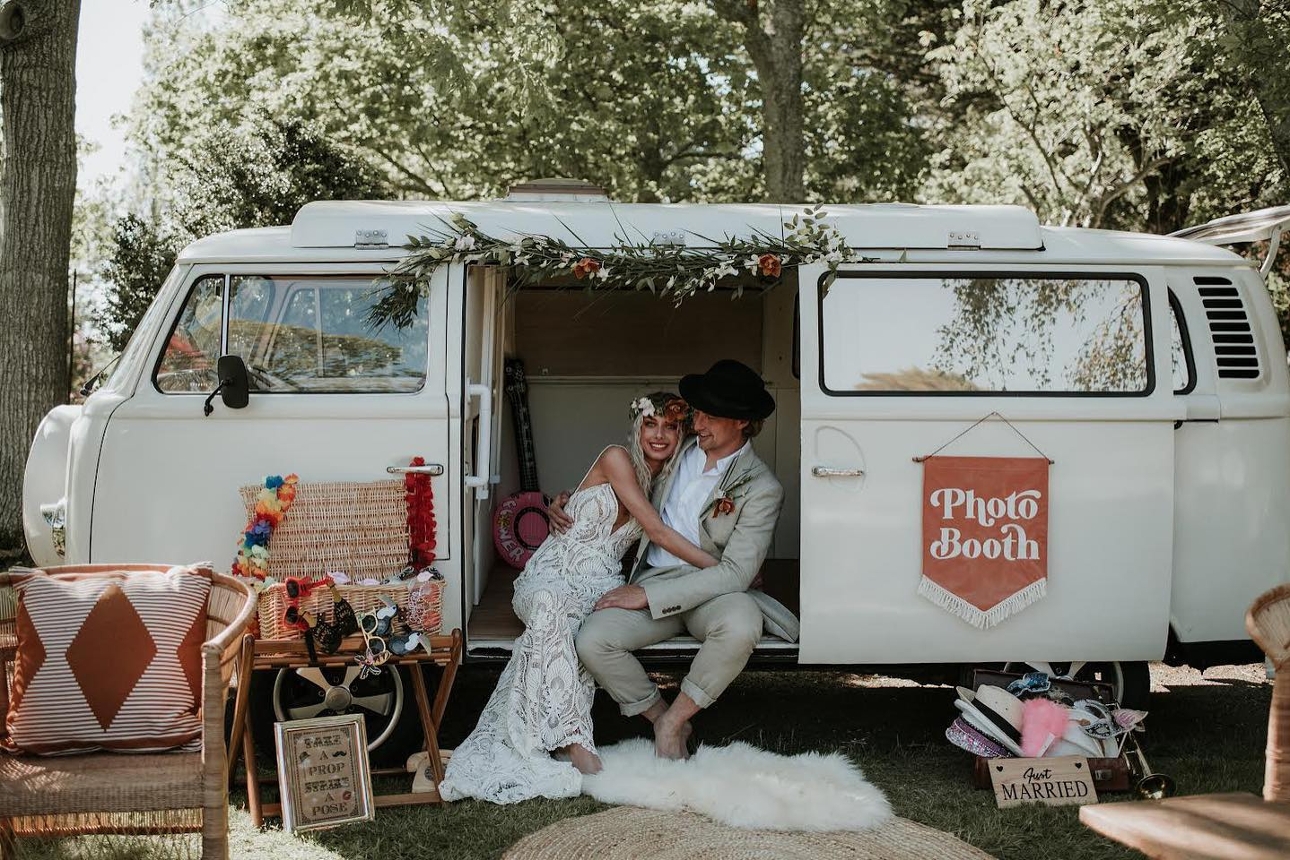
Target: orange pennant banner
x=985 y=535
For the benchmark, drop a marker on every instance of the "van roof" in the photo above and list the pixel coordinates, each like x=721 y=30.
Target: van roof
x=326 y=231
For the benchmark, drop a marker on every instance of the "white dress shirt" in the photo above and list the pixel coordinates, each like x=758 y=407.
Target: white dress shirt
x=683 y=507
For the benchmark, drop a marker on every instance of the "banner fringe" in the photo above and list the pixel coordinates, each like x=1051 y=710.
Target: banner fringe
x=982 y=619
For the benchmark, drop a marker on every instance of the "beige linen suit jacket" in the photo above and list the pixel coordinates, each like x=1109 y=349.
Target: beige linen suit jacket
x=740 y=539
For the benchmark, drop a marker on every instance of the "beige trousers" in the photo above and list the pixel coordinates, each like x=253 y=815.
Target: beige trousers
x=729 y=627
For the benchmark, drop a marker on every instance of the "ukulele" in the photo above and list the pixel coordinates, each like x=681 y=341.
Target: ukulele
x=520 y=523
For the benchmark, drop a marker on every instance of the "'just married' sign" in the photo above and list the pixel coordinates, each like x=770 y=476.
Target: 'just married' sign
x=985 y=535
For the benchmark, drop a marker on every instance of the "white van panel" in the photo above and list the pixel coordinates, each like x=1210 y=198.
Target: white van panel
x=1110 y=516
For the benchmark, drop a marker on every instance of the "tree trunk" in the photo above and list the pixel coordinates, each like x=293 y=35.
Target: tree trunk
x=775 y=47
x=37 y=190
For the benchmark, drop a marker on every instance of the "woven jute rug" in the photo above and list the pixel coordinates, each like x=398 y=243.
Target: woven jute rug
x=630 y=833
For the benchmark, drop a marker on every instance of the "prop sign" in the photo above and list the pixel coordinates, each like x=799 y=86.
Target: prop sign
x=323 y=773
x=985 y=535
x=1056 y=781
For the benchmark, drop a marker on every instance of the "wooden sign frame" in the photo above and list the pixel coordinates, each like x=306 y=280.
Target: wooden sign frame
x=1054 y=781
x=324 y=777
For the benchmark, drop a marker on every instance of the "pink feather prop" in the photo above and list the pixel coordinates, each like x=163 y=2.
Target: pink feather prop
x=1042 y=722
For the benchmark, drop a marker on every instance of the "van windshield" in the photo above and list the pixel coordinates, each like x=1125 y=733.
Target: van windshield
x=307 y=334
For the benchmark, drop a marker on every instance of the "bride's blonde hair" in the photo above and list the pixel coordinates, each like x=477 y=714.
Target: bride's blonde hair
x=655 y=404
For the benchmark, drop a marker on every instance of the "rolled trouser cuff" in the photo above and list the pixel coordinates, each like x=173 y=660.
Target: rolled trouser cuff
x=694 y=691
x=631 y=709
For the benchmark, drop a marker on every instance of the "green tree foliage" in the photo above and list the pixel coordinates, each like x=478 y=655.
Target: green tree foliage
x=1104 y=113
x=653 y=101
x=139 y=257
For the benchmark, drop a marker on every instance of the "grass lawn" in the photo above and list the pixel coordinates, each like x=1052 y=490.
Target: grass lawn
x=1206 y=731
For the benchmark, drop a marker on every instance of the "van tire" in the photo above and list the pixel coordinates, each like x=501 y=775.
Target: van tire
x=392 y=735
x=1130 y=681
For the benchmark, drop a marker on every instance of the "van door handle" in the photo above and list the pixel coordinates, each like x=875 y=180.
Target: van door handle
x=484 y=455
x=826 y=472
x=435 y=469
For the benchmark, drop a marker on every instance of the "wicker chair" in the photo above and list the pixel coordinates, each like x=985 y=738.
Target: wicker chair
x=1268 y=621
x=115 y=793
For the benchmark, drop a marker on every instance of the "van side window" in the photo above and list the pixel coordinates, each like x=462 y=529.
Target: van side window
x=1182 y=364
x=1005 y=333
x=188 y=363
x=311 y=334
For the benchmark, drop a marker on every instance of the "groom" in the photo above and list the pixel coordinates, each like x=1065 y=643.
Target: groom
x=722 y=497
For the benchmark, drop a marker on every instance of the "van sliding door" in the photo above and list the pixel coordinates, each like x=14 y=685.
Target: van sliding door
x=898 y=362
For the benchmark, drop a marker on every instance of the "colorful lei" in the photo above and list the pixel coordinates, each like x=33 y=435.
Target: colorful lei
x=421 y=524
x=271 y=506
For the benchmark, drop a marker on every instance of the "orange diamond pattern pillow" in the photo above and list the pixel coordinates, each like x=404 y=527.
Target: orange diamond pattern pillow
x=108 y=661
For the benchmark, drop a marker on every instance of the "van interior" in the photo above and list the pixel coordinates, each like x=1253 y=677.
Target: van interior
x=586 y=356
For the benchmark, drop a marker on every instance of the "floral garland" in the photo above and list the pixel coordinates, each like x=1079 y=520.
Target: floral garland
x=271 y=506
x=421 y=523
x=674 y=271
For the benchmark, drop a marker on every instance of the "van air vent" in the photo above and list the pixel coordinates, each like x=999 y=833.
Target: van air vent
x=1229 y=326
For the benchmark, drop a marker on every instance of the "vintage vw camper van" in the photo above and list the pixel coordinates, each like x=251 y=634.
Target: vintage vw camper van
x=1150 y=370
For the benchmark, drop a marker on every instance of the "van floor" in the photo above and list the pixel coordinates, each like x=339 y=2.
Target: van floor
x=493 y=620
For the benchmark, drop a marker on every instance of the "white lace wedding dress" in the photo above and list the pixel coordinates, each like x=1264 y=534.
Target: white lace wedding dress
x=543 y=698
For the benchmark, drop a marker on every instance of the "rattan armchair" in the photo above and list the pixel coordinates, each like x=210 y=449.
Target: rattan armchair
x=1268 y=622
x=115 y=793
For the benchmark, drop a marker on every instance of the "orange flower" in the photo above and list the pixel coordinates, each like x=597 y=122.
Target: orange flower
x=585 y=266
x=770 y=265
x=287 y=494
x=268 y=512
x=676 y=411
x=725 y=505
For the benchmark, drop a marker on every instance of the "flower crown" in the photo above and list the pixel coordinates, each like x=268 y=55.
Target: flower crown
x=674 y=409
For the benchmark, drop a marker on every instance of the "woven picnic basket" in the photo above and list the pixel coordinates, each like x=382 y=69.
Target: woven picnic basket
x=359 y=529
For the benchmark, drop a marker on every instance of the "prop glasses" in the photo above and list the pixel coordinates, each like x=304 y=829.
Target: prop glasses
x=374 y=629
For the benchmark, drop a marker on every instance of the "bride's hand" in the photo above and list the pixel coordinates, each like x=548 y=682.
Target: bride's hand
x=560 y=521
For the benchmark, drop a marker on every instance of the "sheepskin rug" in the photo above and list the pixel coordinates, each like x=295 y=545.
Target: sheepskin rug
x=743 y=786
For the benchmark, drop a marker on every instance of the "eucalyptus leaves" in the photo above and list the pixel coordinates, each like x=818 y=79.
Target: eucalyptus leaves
x=672 y=271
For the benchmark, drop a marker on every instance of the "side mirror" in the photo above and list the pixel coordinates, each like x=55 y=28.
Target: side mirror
x=234 y=387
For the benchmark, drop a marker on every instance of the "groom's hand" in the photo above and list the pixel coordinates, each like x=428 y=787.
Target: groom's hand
x=624 y=597
x=560 y=521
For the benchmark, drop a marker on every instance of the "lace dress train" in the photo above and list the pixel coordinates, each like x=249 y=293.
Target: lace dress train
x=543 y=698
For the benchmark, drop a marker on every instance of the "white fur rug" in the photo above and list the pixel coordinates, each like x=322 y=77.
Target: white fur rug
x=743 y=786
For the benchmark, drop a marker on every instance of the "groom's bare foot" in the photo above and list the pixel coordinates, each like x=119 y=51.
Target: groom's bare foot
x=583 y=759
x=670 y=738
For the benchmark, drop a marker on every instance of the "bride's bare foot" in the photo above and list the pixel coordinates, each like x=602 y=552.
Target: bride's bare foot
x=583 y=759
x=669 y=739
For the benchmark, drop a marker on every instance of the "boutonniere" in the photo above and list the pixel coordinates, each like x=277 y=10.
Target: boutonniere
x=727 y=494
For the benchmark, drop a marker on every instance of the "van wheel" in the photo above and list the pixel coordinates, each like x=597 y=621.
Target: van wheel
x=1130 y=680
x=391 y=722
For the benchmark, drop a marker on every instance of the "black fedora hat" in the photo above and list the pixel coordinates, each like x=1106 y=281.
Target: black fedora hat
x=730 y=389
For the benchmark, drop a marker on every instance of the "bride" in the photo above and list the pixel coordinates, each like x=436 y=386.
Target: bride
x=542 y=704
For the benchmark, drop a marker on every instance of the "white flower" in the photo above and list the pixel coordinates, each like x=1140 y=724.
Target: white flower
x=751 y=263
x=464 y=243
x=726 y=268
x=645 y=407
x=833 y=257
x=671 y=282
x=602 y=272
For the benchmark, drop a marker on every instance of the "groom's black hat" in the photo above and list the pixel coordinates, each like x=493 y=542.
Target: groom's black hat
x=730 y=389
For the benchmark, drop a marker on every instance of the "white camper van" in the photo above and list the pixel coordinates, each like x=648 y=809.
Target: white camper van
x=1150 y=371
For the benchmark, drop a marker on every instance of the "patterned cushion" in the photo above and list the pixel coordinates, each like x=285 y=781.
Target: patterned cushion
x=108 y=661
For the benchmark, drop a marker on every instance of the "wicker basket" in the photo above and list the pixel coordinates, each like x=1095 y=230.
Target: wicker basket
x=364 y=598
x=361 y=529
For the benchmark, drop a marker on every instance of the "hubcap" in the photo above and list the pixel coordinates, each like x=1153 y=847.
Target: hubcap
x=338 y=699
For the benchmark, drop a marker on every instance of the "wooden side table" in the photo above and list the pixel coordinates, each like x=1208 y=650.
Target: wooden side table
x=273 y=654
x=1200 y=827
